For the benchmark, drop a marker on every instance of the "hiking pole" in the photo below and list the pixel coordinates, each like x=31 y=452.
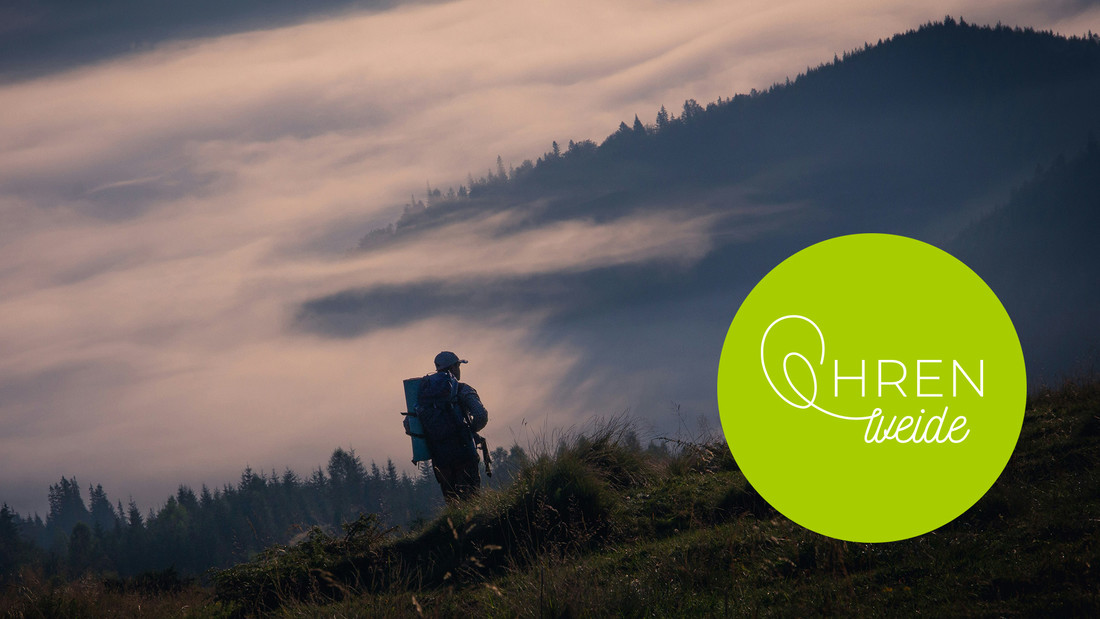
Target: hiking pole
x=480 y=442
x=485 y=452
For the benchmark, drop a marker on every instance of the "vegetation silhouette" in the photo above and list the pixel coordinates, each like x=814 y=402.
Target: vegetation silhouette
x=192 y=533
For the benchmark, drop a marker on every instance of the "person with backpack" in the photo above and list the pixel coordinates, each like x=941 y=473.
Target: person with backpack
x=451 y=414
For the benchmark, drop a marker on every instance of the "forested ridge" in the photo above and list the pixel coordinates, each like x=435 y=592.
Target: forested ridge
x=958 y=106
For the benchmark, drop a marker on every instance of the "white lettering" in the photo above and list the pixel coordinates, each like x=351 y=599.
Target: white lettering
x=862 y=374
x=921 y=377
x=957 y=369
x=903 y=429
x=898 y=425
x=896 y=383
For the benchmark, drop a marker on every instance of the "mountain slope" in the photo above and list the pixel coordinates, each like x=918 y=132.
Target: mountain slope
x=918 y=135
x=1040 y=254
x=913 y=126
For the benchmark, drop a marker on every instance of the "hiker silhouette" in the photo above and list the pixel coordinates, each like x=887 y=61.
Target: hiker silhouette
x=451 y=414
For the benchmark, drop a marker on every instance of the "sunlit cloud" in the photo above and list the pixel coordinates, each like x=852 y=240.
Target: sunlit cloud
x=166 y=214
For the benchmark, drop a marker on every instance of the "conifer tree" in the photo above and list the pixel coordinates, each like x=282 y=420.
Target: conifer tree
x=662 y=119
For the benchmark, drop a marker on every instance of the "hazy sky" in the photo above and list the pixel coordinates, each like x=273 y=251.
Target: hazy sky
x=166 y=212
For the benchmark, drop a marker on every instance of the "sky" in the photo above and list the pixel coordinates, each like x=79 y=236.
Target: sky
x=167 y=210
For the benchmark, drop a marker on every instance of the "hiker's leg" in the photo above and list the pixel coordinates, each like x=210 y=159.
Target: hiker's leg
x=468 y=479
x=446 y=476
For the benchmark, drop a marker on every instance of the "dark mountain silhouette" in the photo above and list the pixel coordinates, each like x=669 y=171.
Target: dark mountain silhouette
x=893 y=135
x=918 y=135
x=1041 y=255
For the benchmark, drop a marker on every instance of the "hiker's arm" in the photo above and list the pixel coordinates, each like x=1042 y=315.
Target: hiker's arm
x=471 y=403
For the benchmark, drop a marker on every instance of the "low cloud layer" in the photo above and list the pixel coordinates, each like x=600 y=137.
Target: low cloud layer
x=167 y=213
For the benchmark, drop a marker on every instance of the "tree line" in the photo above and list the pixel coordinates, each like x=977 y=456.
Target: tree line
x=195 y=531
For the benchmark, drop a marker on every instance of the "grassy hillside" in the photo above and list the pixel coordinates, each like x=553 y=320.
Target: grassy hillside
x=600 y=527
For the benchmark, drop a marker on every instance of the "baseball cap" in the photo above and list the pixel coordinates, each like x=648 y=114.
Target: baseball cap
x=446 y=359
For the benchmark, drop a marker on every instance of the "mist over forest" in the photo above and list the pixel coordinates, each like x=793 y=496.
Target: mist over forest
x=633 y=251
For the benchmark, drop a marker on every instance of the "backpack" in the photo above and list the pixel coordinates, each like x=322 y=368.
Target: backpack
x=420 y=451
x=442 y=421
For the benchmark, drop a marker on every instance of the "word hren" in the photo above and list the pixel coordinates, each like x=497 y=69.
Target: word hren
x=906 y=429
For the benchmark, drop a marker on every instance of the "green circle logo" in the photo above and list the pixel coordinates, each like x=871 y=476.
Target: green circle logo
x=871 y=388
